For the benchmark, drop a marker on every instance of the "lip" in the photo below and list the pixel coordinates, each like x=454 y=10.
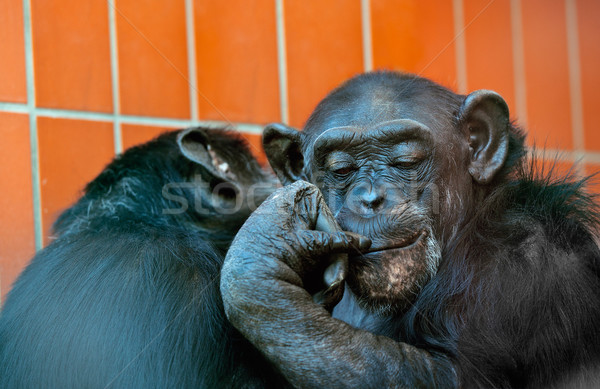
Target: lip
x=403 y=244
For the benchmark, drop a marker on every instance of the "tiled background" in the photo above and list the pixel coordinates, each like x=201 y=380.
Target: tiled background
x=83 y=80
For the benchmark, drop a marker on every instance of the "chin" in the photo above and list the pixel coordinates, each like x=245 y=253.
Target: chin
x=389 y=279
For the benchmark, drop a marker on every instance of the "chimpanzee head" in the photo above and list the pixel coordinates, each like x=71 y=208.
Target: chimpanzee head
x=205 y=179
x=222 y=181
x=402 y=161
x=223 y=167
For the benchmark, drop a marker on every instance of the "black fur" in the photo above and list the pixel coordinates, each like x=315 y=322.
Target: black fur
x=126 y=296
x=516 y=301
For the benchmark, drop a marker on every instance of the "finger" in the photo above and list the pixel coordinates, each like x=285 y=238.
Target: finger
x=314 y=249
x=360 y=242
x=336 y=272
x=293 y=206
x=319 y=243
x=326 y=221
x=335 y=245
x=329 y=297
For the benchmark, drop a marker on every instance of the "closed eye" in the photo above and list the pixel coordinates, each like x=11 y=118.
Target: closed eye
x=343 y=171
x=405 y=162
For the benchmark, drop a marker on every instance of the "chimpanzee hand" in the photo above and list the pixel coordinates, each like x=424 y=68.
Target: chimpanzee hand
x=264 y=281
x=294 y=238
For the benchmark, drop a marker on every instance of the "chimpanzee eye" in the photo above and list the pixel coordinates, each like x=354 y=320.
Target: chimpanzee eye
x=339 y=164
x=343 y=171
x=407 y=161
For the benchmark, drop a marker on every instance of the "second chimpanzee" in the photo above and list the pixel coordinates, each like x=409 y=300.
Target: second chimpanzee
x=481 y=272
x=127 y=296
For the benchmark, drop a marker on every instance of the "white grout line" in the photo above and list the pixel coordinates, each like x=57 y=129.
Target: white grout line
x=367 y=35
x=568 y=156
x=249 y=128
x=114 y=71
x=191 y=55
x=282 y=62
x=14 y=107
x=591 y=157
x=574 y=77
x=516 y=18
x=74 y=114
x=125 y=119
x=460 y=46
x=33 y=133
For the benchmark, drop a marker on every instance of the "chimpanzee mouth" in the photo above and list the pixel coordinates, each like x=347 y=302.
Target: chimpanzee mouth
x=404 y=244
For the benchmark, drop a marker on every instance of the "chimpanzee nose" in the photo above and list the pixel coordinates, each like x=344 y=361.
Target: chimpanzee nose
x=371 y=200
x=368 y=198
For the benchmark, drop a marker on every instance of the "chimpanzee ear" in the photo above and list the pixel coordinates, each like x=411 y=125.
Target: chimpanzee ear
x=194 y=144
x=484 y=115
x=283 y=148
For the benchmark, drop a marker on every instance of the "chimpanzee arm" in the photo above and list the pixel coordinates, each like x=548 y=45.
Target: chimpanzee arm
x=264 y=296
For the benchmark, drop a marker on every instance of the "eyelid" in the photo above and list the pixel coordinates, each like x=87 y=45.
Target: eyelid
x=340 y=165
x=338 y=160
x=341 y=168
x=408 y=160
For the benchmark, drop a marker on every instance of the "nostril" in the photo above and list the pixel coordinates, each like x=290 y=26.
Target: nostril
x=372 y=200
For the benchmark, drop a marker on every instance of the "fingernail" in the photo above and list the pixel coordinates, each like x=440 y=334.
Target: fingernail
x=364 y=242
x=339 y=239
x=334 y=272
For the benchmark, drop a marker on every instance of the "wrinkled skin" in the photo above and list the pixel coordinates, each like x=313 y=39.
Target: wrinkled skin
x=468 y=246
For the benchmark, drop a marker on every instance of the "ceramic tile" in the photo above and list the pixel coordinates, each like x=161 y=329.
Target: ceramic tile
x=153 y=69
x=72 y=54
x=72 y=153
x=237 y=61
x=17 y=244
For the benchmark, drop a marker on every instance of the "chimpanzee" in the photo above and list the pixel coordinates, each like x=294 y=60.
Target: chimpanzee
x=127 y=295
x=463 y=263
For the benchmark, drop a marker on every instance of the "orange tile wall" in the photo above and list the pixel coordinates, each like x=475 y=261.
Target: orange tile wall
x=81 y=81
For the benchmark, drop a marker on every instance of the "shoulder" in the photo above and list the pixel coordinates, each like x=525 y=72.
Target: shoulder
x=553 y=212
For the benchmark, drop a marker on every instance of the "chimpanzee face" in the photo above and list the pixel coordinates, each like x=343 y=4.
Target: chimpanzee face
x=371 y=171
x=396 y=162
x=378 y=178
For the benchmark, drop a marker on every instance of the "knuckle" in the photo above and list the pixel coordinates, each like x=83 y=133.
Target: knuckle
x=300 y=185
x=314 y=241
